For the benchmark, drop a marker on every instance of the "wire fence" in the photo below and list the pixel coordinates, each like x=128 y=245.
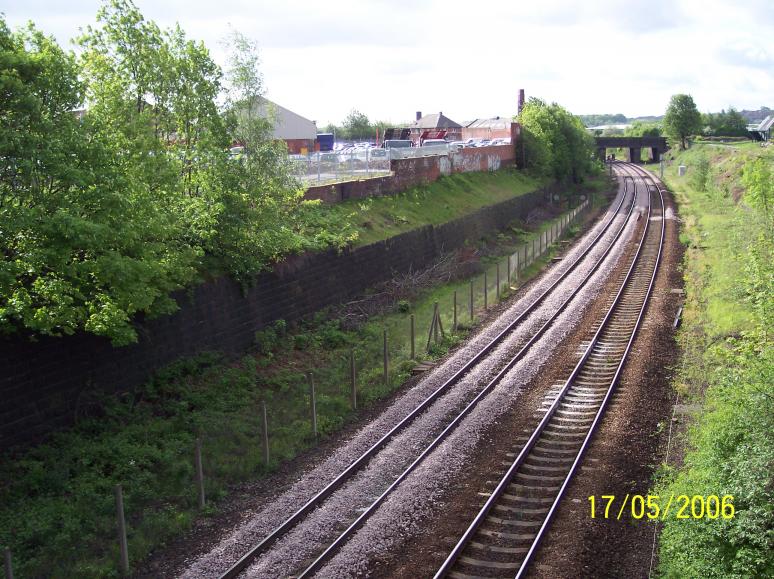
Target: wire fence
x=356 y=163
x=330 y=167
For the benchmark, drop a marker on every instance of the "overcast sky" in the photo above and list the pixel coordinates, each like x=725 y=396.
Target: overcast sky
x=390 y=58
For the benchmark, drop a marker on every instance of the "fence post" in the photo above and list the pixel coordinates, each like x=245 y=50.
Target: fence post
x=265 y=428
x=435 y=322
x=508 y=282
x=454 y=324
x=8 y=564
x=353 y=376
x=386 y=367
x=497 y=279
x=122 y=530
x=433 y=327
x=486 y=302
x=471 y=301
x=313 y=402
x=413 y=338
x=199 y=472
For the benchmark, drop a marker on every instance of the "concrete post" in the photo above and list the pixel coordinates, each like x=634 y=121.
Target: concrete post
x=8 y=564
x=454 y=325
x=386 y=362
x=121 y=521
x=413 y=338
x=199 y=472
x=265 y=432
x=353 y=376
x=471 y=301
x=497 y=282
x=313 y=402
x=486 y=304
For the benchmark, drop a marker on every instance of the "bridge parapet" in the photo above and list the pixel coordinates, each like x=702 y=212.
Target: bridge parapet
x=624 y=142
x=657 y=146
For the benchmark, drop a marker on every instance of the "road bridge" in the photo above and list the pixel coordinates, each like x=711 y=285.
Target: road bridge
x=657 y=146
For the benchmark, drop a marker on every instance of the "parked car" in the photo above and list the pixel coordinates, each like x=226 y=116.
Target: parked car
x=434 y=142
x=397 y=144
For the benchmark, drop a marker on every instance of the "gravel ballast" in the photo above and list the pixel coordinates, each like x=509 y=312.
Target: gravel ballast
x=304 y=542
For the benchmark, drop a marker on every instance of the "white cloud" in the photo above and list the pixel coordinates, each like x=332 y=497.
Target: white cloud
x=390 y=58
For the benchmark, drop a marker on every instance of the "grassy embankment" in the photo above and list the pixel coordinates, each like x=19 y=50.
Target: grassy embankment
x=56 y=503
x=727 y=367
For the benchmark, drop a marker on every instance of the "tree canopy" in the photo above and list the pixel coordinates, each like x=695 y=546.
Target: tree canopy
x=105 y=211
x=725 y=123
x=642 y=129
x=556 y=143
x=603 y=119
x=682 y=118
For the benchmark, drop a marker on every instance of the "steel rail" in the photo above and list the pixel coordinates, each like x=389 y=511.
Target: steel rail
x=595 y=424
x=355 y=465
x=344 y=536
x=520 y=459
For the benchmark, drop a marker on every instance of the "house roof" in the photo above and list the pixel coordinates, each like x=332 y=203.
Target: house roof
x=435 y=121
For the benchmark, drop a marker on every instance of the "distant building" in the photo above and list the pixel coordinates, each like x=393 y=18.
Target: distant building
x=434 y=126
x=299 y=133
x=762 y=131
x=492 y=128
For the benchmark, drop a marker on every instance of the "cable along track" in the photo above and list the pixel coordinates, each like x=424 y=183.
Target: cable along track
x=267 y=542
x=505 y=534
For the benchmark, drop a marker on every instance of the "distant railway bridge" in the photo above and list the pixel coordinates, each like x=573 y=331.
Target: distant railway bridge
x=657 y=146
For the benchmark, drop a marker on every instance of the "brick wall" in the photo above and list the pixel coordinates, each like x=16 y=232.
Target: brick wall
x=45 y=382
x=407 y=173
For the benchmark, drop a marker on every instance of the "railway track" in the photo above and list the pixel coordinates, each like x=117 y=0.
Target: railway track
x=357 y=465
x=508 y=529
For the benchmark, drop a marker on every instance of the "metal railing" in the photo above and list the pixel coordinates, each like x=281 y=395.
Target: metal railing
x=333 y=166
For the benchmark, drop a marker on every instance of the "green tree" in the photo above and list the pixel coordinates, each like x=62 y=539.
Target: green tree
x=556 y=143
x=727 y=124
x=260 y=194
x=105 y=213
x=357 y=126
x=86 y=243
x=607 y=119
x=642 y=129
x=682 y=118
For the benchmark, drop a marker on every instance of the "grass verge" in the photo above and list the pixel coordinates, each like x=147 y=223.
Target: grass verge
x=448 y=198
x=728 y=365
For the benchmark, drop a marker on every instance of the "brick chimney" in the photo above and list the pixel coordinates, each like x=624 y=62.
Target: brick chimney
x=521 y=99
x=419 y=115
